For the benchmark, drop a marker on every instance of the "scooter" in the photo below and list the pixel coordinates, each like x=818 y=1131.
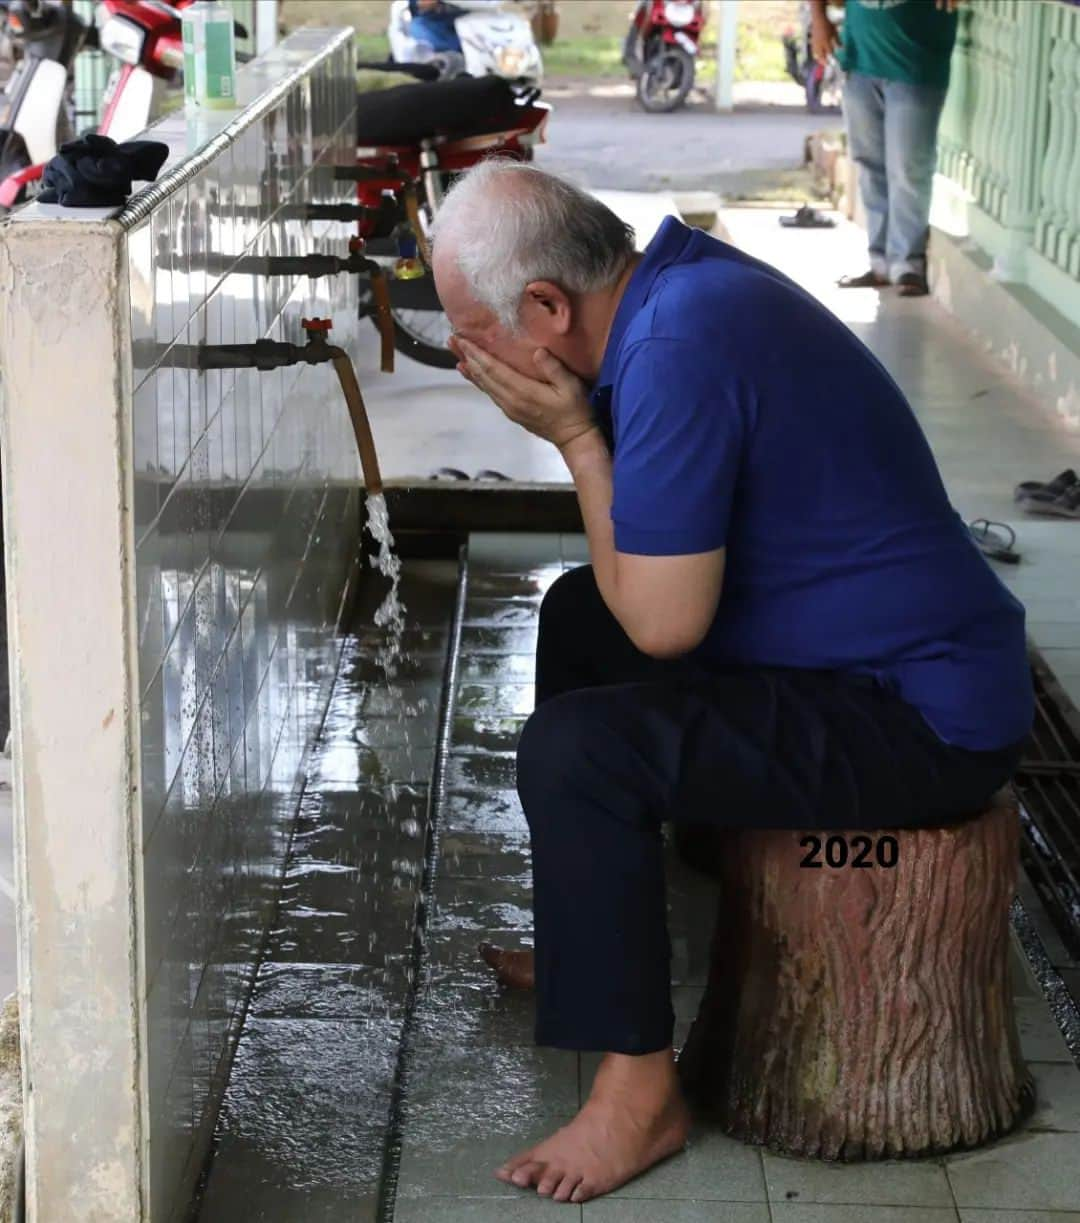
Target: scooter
x=821 y=82
x=661 y=51
x=37 y=104
x=413 y=141
x=146 y=38
x=493 y=38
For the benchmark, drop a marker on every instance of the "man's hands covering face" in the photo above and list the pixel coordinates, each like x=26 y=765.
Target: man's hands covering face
x=554 y=405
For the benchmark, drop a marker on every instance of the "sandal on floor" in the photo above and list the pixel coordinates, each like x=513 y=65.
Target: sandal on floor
x=1066 y=505
x=449 y=473
x=486 y=473
x=866 y=280
x=995 y=540
x=808 y=218
x=1036 y=490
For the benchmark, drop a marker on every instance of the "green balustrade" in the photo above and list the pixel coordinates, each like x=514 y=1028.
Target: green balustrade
x=1057 y=229
x=1009 y=142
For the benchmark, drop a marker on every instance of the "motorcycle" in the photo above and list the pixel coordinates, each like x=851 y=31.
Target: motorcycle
x=490 y=38
x=145 y=37
x=822 y=82
x=37 y=111
x=661 y=51
x=412 y=142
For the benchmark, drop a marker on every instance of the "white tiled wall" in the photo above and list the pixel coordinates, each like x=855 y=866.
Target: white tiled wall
x=236 y=522
x=241 y=487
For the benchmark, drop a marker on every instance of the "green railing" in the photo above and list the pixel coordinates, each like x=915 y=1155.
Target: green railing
x=1009 y=145
x=1057 y=223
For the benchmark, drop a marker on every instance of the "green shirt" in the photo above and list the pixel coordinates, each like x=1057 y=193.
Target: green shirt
x=900 y=40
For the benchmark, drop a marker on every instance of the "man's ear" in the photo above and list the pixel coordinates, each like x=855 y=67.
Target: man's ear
x=545 y=299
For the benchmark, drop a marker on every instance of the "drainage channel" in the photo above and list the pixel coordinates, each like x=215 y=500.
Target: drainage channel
x=1046 y=914
x=1048 y=784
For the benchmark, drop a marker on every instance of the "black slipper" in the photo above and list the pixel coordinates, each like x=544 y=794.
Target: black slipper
x=911 y=284
x=1037 y=491
x=1067 y=505
x=995 y=540
x=449 y=473
x=865 y=280
x=808 y=218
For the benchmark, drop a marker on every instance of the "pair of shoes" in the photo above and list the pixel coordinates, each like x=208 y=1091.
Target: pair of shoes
x=1035 y=490
x=455 y=473
x=912 y=284
x=1065 y=505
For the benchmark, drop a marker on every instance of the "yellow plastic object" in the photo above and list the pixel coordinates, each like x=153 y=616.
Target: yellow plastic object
x=408 y=269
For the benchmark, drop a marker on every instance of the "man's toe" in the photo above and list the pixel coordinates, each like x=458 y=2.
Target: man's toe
x=582 y=1193
x=527 y=1174
x=566 y=1187
x=515 y=1161
x=551 y=1179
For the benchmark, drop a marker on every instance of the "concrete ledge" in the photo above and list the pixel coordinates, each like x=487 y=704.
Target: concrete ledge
x=1040 y=346
x=11 y=1107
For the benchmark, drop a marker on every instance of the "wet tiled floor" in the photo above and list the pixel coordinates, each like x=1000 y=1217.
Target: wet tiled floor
x=479 y=1089
x=303 y=1132
x=303 y=1124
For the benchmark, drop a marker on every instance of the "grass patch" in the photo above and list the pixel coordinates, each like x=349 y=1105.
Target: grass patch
x=373 y=47
x=597 y=56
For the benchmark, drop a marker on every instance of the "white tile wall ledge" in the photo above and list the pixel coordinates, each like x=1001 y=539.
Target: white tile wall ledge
x=179 y=548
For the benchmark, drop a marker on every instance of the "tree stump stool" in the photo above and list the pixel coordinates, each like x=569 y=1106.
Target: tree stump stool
x=861 y=1011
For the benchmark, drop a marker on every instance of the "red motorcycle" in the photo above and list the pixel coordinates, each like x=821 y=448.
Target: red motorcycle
x=145 y=38
x=413 y=141
x=661 y=51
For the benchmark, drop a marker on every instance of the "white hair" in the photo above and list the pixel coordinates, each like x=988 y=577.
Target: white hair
x=510 y=224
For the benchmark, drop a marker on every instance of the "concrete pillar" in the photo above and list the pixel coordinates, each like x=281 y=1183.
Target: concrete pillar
x=726 y=15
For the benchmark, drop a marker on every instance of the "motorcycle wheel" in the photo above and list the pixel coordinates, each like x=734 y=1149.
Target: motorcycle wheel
x=422 y=335
x=666 y=79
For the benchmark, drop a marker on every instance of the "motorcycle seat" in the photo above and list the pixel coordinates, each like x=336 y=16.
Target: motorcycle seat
x=465 y=106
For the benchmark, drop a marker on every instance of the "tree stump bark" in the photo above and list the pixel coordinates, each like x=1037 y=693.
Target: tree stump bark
x=861 y=1011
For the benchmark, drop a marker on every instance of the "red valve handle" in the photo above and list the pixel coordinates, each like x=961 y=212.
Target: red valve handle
x=316 y=324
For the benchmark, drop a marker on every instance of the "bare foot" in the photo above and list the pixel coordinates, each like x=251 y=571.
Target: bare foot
x=513 y=968
x=635 y=1116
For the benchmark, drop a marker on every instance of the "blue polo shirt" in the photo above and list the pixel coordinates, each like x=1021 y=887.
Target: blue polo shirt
x=744 y=415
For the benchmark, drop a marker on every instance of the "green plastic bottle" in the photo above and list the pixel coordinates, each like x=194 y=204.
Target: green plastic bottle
x=209 y=57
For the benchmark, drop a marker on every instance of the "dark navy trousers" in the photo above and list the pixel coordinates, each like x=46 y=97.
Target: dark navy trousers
x=619 y=743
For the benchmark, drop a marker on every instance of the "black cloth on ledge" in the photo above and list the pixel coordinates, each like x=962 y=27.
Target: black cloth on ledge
x=96 y=172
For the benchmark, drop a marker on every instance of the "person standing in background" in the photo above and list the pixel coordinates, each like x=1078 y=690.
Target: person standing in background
x=896 y=55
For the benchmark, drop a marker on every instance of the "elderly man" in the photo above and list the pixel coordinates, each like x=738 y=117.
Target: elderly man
x=784 y=624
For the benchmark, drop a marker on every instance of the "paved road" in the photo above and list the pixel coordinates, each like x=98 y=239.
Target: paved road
x=598 y=136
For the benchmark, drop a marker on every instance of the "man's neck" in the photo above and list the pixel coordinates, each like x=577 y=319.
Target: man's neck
x=601 y=310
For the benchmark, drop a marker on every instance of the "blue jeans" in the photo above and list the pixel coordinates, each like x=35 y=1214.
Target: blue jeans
x=892 y=138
